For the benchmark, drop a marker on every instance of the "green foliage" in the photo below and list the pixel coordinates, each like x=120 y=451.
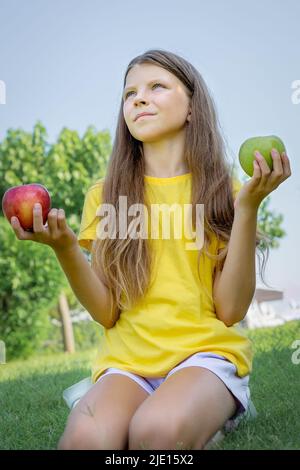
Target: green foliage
x=270 y=223
x=31 y=278
x=87 y=334
x=67 y=167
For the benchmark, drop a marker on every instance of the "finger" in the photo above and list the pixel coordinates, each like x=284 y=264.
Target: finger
x=256 y=176
x=286 y=165
x=52 y=221
x=61 y=219
x=277 y=173
x=265 y=169
x=277 y=163
x=256 y=170
x=37 y=218
x=21 y=234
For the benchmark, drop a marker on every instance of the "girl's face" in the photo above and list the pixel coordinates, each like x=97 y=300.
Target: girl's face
x=152 y=89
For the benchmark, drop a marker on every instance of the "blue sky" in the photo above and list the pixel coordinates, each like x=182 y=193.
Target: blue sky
x=63 y=62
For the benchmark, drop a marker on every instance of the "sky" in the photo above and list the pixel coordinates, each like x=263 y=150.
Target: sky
x=63 y=62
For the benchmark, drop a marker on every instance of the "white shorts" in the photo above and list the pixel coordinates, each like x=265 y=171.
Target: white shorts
x=219 y=365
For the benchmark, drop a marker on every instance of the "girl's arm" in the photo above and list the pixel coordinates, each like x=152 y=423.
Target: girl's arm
x=87 y=287
x=234 y=286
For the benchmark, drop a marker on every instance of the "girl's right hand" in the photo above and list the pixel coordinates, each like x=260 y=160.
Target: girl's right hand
x=55 y=233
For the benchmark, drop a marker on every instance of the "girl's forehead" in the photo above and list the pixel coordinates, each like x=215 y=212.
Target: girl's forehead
x=142 y=72
x=146 y=73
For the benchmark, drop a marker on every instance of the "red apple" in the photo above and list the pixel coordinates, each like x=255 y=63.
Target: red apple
x=19 y=201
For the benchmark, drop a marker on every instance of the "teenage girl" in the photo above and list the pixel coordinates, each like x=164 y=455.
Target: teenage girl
x=172 y=368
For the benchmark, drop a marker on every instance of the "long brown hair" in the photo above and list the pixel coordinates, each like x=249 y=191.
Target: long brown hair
x=127 y=263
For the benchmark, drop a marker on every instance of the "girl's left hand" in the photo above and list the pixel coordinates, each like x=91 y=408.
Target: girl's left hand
x=263 y=181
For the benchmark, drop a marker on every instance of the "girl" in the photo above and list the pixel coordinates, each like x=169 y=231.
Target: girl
x=172 y=369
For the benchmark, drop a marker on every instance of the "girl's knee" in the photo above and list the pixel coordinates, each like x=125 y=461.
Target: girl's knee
x=77 y=438
x=62 y=443
x=83 y=437
x=68 y=440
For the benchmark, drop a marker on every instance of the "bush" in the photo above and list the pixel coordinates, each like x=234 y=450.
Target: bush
x=31 y=279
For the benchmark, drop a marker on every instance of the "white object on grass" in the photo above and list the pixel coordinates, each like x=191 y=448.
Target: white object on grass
x=73 y=394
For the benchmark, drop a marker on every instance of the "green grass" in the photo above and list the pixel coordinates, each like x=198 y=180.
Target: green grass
x=33 y=414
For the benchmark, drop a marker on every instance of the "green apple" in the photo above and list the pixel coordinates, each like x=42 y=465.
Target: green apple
x=264 y=145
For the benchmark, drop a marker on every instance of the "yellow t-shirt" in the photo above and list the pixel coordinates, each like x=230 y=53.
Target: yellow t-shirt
x=176 y=318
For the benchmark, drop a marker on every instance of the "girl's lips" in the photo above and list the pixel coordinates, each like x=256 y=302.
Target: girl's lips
x=144 y=115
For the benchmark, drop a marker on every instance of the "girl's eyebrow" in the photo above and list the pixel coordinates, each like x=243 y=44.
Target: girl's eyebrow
x=149 y=83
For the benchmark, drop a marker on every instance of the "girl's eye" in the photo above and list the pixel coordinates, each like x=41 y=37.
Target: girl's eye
x=129 y=92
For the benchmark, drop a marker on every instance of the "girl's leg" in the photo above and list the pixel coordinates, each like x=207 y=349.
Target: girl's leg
x=101 y=418
x=183 y=413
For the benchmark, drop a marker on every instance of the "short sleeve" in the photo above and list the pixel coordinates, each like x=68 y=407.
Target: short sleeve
x=89 y=219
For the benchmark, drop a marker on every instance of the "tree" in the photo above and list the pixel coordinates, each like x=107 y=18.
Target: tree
x=31 y=279
x=270 y=223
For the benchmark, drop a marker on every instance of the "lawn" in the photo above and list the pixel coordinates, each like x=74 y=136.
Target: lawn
x=33 y=413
